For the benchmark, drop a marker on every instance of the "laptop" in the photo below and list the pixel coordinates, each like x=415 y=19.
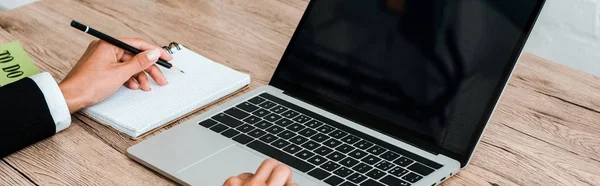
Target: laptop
x=368 y=92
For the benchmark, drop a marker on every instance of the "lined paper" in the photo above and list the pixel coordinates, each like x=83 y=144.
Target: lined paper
x=135 y=112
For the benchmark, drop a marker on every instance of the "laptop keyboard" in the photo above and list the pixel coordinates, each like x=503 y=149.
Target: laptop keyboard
x=320 y=147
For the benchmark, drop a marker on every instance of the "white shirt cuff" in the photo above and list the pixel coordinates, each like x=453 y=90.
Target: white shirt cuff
x=55 y=100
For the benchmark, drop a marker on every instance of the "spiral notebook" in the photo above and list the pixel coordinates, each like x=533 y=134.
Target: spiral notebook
x=135 y=112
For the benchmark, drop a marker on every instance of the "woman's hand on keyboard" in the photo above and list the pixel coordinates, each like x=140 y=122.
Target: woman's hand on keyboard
x=270 y=173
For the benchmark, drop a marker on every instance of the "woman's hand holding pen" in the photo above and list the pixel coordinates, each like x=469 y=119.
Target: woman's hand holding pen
x=108 y=67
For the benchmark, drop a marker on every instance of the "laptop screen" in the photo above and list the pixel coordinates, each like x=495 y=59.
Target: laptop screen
x=425 y=71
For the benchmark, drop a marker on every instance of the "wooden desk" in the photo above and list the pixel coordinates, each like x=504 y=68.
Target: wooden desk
x=544 y=132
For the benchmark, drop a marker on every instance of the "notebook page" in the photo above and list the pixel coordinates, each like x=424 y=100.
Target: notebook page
x=135 y=112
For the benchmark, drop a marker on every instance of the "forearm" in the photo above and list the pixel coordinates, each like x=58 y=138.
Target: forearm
x=31 y=111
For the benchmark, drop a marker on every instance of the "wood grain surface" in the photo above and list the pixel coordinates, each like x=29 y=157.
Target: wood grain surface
x=544 y=132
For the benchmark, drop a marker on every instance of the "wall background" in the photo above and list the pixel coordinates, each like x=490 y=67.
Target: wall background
x=567 y=32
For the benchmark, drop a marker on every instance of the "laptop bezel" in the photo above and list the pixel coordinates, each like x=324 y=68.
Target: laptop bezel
x=409 y=137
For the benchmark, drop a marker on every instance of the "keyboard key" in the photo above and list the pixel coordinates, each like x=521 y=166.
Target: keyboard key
x=371 y=160
x=311 y=145
x=301 y=119
x=245 y=128
x=261 y=113
x=267 y=105
x=338 y=134
x=248 y=107
x=403 y=161
x=347 y=184
x=363 y=145
x=334 y=180
x=377 y=150
x=252 y=119
x=275 y=129
x=371 y=182
x=227 y=120
x=294 y=162
x=284 y=122
x=420 y=168
x=336 y=156
x=237 y=113
x=317 y=160
x=390 y=180
x=330 y=166
x=208 y=123
x=389 y=155
x=345 y=148
x=320 y=174
x=332 y=143
x=257 y=133
x=343 y=172
x=292 y=149
x=263 y=124
x=304 y=154
x=256 y=100
x=298 y=140
x=295 y=127
x=323 y=151
x=362 y=168
x=384 y=165
x=268 y=138
x=375 y=174
x=243 y=139
x=272 y=117
x=278 y=109
x=219 y=128
x=290 y=114
x=286 y=134
x=349 y=162
x=325 y=129
x=350 y=139
x=319 y=137
x=398 y=171
x=314 y=124
x=230 y=133
x=280 y=143
x=358 y=154
x=356 y=178
x=412 y=177
x=307 y=132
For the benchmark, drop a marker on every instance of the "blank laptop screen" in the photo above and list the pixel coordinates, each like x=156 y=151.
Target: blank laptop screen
x=432 y=70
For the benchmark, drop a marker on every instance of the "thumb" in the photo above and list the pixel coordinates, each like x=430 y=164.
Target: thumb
x=141 y=61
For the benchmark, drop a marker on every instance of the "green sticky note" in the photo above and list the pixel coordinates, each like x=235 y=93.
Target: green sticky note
x=15 y=64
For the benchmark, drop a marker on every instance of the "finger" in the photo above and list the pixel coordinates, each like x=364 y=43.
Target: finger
x=292 y=184
x=157 y=75
x=264 y=171
x=132 y=84
x=144 y=45
x=280 y=176
x=245 y=176
x=142 y=79
x=289 y=180
x=140 y=62
x=233 y=181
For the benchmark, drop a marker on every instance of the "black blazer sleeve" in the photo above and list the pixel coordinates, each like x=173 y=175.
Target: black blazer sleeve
x=24 y=116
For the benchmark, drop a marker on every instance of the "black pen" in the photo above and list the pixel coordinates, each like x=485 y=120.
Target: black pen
x=118 y=43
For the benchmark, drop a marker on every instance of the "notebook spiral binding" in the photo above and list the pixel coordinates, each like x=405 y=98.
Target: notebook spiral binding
x=171 y=46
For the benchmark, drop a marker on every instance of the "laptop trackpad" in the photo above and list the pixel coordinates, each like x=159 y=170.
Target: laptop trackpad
x=231 y=161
